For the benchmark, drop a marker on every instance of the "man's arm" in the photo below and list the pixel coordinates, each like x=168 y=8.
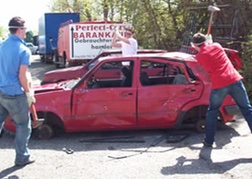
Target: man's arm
x=122 y=38
x=23 y=78
x=114 y=43
x=25 y=84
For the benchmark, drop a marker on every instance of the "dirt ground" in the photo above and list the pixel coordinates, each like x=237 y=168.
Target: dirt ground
x=149 y=154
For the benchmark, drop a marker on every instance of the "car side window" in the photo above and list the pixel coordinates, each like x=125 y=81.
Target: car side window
x=115 y=75
x=158 y=73
x=113 y=65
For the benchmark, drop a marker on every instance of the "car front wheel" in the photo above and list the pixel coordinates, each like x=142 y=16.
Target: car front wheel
x=44 y=132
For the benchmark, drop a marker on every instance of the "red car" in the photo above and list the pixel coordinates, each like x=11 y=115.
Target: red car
x=78 y=71
x=168 y=90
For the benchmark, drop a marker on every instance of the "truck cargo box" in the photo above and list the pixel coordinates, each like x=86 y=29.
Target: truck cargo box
x=49 y=24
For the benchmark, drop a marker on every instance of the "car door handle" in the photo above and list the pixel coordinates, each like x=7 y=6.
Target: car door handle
x=125 y=94
x=189 y=89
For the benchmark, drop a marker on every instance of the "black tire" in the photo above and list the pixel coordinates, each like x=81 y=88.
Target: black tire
x=200 y=126
x=42 y=58
x=44 y=132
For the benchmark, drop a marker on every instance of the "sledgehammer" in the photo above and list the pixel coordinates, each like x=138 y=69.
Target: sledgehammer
x=36 y=122
x=212 y=9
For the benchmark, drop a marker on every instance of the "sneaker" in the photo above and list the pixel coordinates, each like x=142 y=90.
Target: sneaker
x=207 y=144
x=29 y=161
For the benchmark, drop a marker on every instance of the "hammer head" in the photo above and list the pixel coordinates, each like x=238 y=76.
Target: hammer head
x=213 y=8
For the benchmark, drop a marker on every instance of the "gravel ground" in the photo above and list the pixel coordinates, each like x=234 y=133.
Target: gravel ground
x=150 y=154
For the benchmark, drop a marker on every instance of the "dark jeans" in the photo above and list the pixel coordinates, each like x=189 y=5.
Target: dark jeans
x=239 y=94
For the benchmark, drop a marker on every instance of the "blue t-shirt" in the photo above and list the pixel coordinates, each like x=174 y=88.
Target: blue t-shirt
x=13 y=53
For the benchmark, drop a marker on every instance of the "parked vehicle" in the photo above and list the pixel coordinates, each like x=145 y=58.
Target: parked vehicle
x=49 y=24
x=78 y=71
x=80 y=42
x=144 y=96
x=33 y=48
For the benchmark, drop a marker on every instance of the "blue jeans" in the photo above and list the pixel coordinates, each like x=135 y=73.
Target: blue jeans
x=239 y=94
x=17 y=108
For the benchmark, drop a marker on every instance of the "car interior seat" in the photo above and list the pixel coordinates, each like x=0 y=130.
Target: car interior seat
x=127 y=80
x=144 y=78
x=179 y=79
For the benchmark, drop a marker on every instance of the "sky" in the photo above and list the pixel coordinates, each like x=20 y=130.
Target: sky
x=29 y=10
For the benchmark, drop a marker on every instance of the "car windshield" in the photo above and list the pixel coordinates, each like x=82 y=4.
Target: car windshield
x=93 y=64
x=105 y=55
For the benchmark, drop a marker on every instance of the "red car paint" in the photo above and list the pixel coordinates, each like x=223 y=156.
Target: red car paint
x=93 y=103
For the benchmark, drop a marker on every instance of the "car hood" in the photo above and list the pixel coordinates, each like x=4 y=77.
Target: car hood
x=64 y=74
x=48 y=87
x=66 y=69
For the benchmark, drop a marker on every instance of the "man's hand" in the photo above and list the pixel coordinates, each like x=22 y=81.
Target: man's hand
x=209 y=38
x=30 y=98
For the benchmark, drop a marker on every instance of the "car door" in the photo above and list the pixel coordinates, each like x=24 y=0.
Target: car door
x=103 y=103
x=160 y=100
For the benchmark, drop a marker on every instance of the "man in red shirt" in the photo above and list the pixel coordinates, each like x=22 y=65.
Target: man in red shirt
x=225 y=80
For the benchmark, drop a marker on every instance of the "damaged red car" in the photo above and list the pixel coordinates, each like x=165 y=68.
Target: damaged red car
x=153 y=91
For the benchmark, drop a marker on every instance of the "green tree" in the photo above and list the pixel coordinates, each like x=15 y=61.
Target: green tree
x=166 y=23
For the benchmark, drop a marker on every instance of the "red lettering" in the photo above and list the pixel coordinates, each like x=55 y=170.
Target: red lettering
x=87 y=28
x=75 y=35
x=94 y=35
x=112 y=27
x=78 y=27
x=107 y=34
x=101 y=35
x=102 y=27
x=88 y=35
x=82 y=35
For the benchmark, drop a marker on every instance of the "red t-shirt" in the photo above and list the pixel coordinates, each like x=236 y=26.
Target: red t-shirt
x=215 y=61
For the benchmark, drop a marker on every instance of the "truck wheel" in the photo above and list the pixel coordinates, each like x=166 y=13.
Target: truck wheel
x=42 y=58
x=200 y=126
x=44 y=132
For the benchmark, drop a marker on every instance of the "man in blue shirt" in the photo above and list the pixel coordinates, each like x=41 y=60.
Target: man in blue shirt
x=15 y=93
